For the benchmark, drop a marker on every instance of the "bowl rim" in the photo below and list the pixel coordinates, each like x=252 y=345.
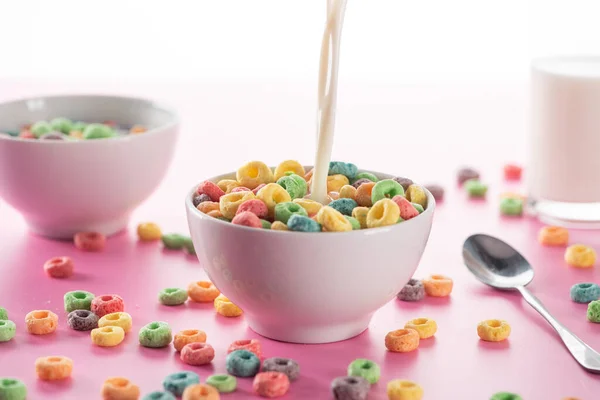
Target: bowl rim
x=431 y=205
x=158 y=105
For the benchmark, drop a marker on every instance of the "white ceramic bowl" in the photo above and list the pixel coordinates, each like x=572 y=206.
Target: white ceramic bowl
x=308 y=287
x=65 y=187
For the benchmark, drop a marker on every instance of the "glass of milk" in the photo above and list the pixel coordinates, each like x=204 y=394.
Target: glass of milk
x=564 y=164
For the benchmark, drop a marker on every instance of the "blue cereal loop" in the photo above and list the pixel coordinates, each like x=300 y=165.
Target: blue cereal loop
x=177 y=382
x=344 y=205
x=585 y=292
x=347 y=169
x=300 y=223
x=242 y=363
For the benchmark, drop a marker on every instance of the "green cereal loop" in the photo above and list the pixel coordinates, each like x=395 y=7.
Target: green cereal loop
x=510 y=206
x=174 y=241
x=40 y=128
x=505 y=396
x=7 y=330
x=98 y=131
x=354 y=222
x=294 y=184
x=283 y=211
x=265 y=224
x=418 y=207
x=78 y=300
x=61 y=124
x=188 y=245
x=12 y=389
x=223 y=383
x=155 y=334
x=79 y=126
x=172 y=296
x=400 y=219
x=3 y=313
x=593 y=311
x=366 y=175
x=387 y=188
x=364 y=368
x=475 y=188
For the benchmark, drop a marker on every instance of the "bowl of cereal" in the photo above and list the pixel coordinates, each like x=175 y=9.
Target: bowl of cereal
x=82 y=163
x=301 y=271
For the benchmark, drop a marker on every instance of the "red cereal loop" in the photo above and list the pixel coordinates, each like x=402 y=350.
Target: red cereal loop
x=59 y=267
x=197 y=353
x=407 y=210
x=271 y=384
x=90 y=241
x=256 y=189
x=26 y=134
x=252 y=345
x=247 y=218
x=240 y=189
x=107 y=304
x=512 y=172
x=211 y=189
x=255 y=206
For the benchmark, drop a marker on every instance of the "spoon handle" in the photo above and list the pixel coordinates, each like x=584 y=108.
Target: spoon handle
x=587 y=357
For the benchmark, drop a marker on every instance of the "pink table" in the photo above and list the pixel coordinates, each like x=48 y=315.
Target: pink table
x=482 y=126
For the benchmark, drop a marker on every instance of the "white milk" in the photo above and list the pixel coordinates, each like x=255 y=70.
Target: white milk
x=327 y=96
x=564 y=168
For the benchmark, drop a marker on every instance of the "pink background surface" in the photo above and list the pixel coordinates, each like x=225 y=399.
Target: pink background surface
x=421 y=132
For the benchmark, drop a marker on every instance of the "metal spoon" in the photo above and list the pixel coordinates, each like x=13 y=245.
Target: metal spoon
x=498 y=265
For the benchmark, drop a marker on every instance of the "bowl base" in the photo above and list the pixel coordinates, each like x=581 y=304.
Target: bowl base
x=315 y=334
x=52 y=231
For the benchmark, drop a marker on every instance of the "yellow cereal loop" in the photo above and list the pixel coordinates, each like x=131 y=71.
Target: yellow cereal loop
x=107 y=336
x=335 y=182
x=360 y=214
x=120 y=319
x=312 y=207
x=425 y=327
x=348 y=192
x=383 y=213
x=229 y=203
x=289 y=166
x=493 y=330
x=279 y=226
x=253 y=174
x=332 y=220
x=227 y=185
x=272 y=194
x=580 y=256
x=149 y=231
x=416 y=194
x=226 y=308
x=400 y=389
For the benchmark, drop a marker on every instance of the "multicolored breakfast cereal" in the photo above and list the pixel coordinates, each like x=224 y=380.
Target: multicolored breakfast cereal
x=62 y=128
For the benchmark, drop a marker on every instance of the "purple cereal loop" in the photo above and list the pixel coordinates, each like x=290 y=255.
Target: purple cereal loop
x=464 y=174
x=405 y=182
x=360 y=182
x=284 y=365
x=350 y=388
x=436 y=191
x=82 y=320
x=412 y=291
x=201 y=198
x=53 y=136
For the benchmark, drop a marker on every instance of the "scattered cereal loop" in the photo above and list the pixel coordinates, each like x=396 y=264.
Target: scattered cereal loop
x=119 y=388
x=252 y=345
x=271 y=384
x=402 y=340
x=400 y=389
x=438 y=285
x=53 y=368
x=82 y=320
x=176 y=383
x=12 y=389
x=226 y=308
x=149 y=231
x=59 y=267
x=172 y=296
x=107 y=304
x=41 y=322
x=202 y=291
x=284 y=365
x=188 y=336
x=350 y=387
x=90 y=241
x=584 y=292
x=120 y=319
x=366 y=369
x=155 y=334
x=580 y=256
x=8 y=330
x=197 y=353
x=425 y=327
x=493 y=330
x=242 y=363
x=223 y=383
x=107 y=336
x=200 y=392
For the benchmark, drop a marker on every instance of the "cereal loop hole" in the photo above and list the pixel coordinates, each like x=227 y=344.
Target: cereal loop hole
x=79 y=295
x=106 y=298
x=40 y=314
x=494 y=323
x=154 y=325
x=420 y=321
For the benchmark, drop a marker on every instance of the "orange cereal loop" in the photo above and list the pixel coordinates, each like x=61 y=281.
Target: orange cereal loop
x=425 y=327
x=53 y=368
x=438 y=286
x=363 y=194
x=402 y=340
x=226 y=308
x=309 y=175
x=188 y=336
x=41 y=322
x=202 y=291
x=215 y=213
x=136 y=129
x=227 y=185
x=553 y=236
x=580 y=256
x=200 y=392
x=120 y=389
x=208 y=206
x=493 y=330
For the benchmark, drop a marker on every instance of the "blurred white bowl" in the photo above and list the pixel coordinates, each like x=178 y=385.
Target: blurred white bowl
x=65 y=187
x=308 y=287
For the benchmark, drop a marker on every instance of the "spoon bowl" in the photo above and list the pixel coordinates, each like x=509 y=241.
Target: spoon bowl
x=496 y=263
